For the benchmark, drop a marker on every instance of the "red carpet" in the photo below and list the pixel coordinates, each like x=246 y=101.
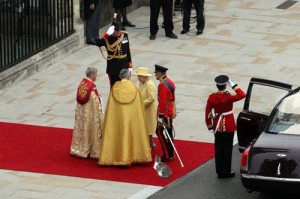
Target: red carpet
x=46 y=150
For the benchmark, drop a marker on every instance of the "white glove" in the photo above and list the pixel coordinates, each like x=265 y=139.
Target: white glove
x=211 y=131
x=231 y=83
x=160 y=120
x=111 y=30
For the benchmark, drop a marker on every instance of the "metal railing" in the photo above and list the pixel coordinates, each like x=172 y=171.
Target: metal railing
x=29 y=26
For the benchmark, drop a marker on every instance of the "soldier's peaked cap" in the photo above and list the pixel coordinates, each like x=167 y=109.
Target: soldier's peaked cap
x=159 y=68
x=118 y=25
x=221 y=79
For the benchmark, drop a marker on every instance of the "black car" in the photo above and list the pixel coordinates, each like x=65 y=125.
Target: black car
x=268 y=130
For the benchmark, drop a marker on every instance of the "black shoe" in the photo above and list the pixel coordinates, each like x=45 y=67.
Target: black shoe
x=152 y=37
x=227 y=175
x=172 y=36
x=91 y=42
x=164 y=159
x=184 y=31
x=129 y=24
x=199 y=32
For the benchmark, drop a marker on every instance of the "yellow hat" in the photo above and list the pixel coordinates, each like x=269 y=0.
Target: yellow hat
x=142 y=72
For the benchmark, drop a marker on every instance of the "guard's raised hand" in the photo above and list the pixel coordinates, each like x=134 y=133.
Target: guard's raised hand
x=111 y=30
x=232 y=84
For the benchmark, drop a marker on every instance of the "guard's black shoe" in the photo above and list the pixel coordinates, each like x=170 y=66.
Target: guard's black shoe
x=152 y=37
x=199 y=32
x=172 y=36
x=227 y=175
x=184 y=31
x=128 y=23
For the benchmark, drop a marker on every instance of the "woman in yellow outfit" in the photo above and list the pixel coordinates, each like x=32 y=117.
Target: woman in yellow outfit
x=148 y=91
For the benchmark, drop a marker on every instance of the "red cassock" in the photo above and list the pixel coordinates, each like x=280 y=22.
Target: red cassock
x=84 y=90
x=166 y=99
x=222 y=103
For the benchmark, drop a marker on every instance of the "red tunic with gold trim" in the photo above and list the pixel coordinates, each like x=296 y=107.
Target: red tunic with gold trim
x=166 y=98
x=222 y=102
x=84 y=90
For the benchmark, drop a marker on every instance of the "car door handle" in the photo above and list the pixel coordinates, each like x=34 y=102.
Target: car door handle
x=244 y=118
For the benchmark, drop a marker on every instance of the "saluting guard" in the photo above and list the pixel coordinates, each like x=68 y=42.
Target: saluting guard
x=220 y=121
x=166 y=111
x=117 y=46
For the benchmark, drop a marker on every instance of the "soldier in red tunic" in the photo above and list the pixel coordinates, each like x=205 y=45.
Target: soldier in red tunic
x=220 y=121
x=166 y=111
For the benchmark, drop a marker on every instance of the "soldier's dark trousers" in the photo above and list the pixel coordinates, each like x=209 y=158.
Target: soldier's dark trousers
x=113 y=79
x=167 y=6
x=223 y=152
x=167 y=148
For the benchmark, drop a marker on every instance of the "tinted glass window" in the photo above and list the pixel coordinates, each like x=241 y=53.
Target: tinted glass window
x=264 y=98
x=287 y=118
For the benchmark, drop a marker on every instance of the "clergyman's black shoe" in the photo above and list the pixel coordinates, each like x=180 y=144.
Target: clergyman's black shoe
x=199 y=32
x=184 y=31
x=152 y=37
x=227 y=175
x=172 y=36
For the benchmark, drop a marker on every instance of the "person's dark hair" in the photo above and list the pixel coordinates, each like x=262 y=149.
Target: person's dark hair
x=221 y=87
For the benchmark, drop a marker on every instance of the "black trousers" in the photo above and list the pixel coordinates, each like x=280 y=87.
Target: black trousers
x=167 y=6
x=167 y=148
x=113 y=79
x=223 y=152
x=187 y=7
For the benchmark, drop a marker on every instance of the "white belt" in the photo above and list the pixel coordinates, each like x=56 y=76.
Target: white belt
x=220 y=118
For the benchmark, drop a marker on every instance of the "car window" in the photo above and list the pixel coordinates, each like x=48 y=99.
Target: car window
x=264 y=98
x=287 y=117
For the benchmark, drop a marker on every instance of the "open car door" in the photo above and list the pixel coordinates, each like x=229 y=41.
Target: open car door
x=262 y=96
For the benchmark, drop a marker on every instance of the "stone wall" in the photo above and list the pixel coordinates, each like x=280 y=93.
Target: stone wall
x=61 y=49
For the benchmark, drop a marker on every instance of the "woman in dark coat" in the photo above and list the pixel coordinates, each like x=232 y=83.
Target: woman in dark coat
x=120 y=8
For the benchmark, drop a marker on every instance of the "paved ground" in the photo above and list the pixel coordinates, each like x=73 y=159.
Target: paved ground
x=242 y=39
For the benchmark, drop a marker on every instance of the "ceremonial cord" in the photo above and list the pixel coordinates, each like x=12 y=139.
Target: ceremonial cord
x=115 y=48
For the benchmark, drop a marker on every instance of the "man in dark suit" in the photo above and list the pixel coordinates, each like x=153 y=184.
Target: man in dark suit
x=92 y=11
x=167 y=6
x=116 y=43
x=187 y=7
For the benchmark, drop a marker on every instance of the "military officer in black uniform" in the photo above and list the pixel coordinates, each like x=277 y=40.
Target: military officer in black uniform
x=117 y=46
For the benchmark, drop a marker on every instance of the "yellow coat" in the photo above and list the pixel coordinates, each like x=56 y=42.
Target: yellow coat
x=148 y=92
x=125 y=139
